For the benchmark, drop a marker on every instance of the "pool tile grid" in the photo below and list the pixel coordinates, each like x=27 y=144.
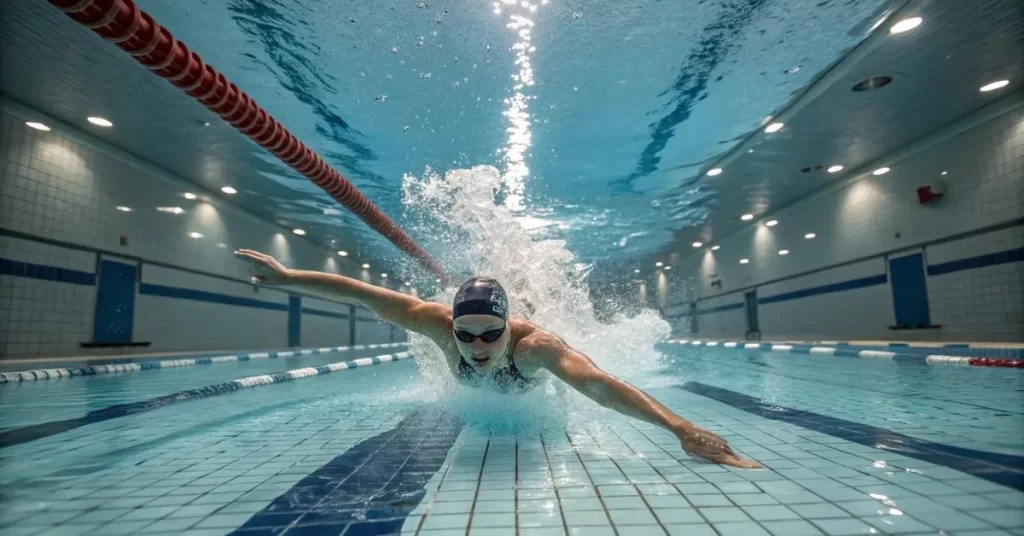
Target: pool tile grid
x=923 y=358
x=182 y=487
x=620 y=478
x=26 y=434
x=596 y=481
x=939 y=405
x=62 y=372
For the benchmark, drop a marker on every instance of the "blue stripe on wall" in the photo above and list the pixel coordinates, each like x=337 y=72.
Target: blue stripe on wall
x=45 y=273
x=321 y=312
x=981 y=261
x=371 y=488
x=294 y=320
x=153 y=289
x=1005 y=469
x=826 y=289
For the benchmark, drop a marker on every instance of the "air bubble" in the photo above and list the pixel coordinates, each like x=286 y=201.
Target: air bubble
x=394 y=50
x=577 y=15
x=381 y=98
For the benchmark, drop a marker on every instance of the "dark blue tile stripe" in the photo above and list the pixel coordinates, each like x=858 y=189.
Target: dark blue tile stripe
x=1005 y=469
x=368 y=490
x=321 y=312
x=826 y=289
x=165 y=291
x=719 y=309
x=981 y=261
x=45 y=273
x=17 y=436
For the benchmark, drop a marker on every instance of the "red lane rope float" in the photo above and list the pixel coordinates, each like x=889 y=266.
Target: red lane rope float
x=134 y=31
x=996 y=362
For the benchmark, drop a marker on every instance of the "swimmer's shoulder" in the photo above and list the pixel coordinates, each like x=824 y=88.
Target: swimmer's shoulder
x=533 y=346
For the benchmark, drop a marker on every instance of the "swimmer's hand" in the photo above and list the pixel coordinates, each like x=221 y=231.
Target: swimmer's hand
x=704 y=444
x=263 y=269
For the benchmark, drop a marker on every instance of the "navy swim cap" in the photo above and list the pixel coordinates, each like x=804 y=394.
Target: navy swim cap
x=481 y=296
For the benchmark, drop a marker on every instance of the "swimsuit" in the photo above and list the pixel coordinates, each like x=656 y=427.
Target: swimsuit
x=506 y=379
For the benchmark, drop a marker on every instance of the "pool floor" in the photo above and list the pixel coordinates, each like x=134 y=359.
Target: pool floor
x=349 y=454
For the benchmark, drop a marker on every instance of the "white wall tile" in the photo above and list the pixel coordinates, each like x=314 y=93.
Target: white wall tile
x=57 y=189
x=873 y=216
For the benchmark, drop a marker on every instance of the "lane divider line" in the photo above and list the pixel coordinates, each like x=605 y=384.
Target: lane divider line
x=17 y=436
x=848 y=351
x=53 y=374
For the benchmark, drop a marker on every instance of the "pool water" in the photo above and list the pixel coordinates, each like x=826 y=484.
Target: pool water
x=849 y=447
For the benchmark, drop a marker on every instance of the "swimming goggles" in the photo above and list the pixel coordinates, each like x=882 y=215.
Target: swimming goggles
x=487 y=336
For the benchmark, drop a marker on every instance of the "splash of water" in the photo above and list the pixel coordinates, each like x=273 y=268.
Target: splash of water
x=544 y=284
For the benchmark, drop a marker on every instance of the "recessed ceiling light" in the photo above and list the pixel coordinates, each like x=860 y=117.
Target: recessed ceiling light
x=697 y=244
x=384 y=276
x=229 y=190
x=771 y=223
x=668 y=267
x=366 y=266
x=810 y=236
x=783 y=252
x=881 y=171
x=343 y=253
x=194 y=234
x=171 y=210
x=774 y=127
x=100 y=122
x=659 y=264
x=438 y=280
x=714 y=172
x=189 y=195
x=124 y=209
x=715 y=248
x=906 y=25
x=299 y=232
x=835 y=169
x=636 y=271
x=744 y=261
x=37 y=126
x=747 y=217
x=945 y=172
x=406 y=283
x=995 y=85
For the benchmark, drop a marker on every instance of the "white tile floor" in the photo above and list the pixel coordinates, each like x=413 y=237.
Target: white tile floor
x=207 y=467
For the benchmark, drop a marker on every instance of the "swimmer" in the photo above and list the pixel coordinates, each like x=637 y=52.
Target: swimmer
x=484 y=346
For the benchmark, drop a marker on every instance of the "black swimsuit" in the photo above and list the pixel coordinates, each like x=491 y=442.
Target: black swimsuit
x=506 y=379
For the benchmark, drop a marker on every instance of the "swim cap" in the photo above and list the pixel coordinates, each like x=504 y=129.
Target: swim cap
x=481 y=296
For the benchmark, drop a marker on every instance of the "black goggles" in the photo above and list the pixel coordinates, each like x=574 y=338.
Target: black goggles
x=487 y=336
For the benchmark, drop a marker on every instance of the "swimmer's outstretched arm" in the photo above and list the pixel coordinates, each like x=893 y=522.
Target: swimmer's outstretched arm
x=547 y=351
x=407 y=311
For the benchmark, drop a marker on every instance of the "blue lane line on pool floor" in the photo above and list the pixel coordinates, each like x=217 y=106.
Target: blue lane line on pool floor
x=368 y=490
x=17 y=436
x=1005 y=469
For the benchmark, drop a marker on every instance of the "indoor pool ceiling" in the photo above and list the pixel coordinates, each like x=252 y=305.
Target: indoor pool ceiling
x=604 y=114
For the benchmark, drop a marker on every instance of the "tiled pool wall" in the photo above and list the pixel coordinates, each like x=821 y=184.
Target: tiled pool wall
x=75 y=268
x=878 y=265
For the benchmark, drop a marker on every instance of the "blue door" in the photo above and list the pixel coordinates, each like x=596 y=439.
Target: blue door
x=294 y=320
x=115 y=303
x=750 y=305
x=909 y=291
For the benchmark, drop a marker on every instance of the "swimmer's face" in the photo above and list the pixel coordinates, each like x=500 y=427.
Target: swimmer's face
x=483 y=356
